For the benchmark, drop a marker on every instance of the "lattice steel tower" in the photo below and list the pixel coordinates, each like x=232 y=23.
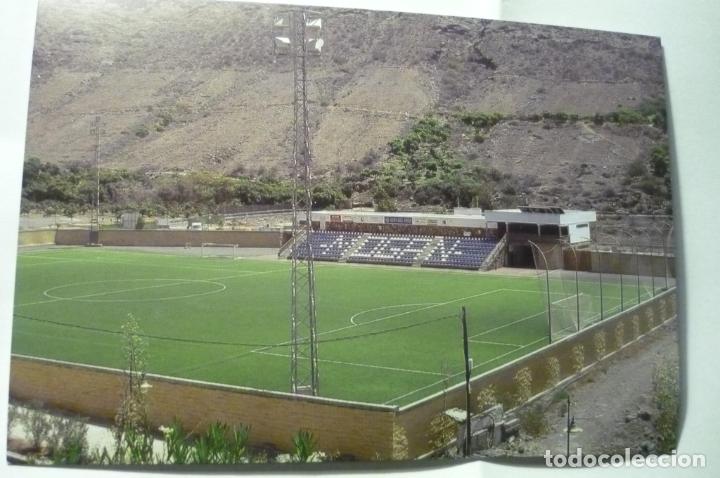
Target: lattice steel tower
x=94 y=238
x=298 y=33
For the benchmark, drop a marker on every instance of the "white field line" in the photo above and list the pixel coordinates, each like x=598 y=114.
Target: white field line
x=499 y=327
x=365 y=365
x=497 y=357
x=67 y=338
x=400 y=314
x=174 y=283
x=287 y=342
x=137 y=262
x=385 y=307
x=43 y=252
x=111 y=292
x=51 y=263
x=494 y=343
x=560 y=293
x=570 y=297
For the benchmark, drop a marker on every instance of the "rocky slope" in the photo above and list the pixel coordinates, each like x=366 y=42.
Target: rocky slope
x=194 y=85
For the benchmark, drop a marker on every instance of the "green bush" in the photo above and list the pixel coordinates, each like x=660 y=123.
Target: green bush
x=666 y=382
x=558 y=117
x=636 y=168
x=660 y=161
x=304 y=445
x=533 y=421
x=178 y=446
x=68 y=442
x=429 y=131
x=625 y=116
x=655 y=111
x=481 y=120
x=221 y=445
x=650 y=186
x=385 y=205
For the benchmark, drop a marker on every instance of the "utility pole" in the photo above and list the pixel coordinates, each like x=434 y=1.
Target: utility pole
x=569 y=426
x=468 y=371
x=94 y=238
x=297 y=33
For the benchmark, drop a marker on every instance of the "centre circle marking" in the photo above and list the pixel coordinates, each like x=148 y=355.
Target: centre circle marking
x=52 y=292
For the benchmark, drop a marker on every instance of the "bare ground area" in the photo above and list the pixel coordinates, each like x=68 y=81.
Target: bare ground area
x=612 y=405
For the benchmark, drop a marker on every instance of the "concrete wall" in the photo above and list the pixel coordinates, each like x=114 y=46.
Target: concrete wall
x=618 y=332
x=357 y=429
x=37 y=237
x=362 y=430
x=614 y=263
x=171 y=238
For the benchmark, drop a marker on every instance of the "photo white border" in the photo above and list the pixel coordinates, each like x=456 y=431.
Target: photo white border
x=690 y=34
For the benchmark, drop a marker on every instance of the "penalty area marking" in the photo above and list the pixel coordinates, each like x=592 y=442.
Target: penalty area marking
x=497 y=357
x=385 y=307
x=503 y=344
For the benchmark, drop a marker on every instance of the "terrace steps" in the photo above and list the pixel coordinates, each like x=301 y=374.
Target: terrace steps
x=357 y=245
x=426 y=251
x=286 y=249
x=491 y=260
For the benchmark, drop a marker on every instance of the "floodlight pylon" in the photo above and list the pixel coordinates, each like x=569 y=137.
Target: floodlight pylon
x=94 y=238
x=298 y=33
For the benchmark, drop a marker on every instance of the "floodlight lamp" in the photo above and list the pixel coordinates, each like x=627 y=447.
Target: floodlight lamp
x=315 y=44
x=313 y=23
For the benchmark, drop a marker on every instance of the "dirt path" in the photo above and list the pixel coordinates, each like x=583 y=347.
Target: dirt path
x=613 y=405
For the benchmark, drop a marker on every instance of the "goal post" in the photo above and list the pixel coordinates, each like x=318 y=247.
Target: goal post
x=218 y=250
x=563 y=299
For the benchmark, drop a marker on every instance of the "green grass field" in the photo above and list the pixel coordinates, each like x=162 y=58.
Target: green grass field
x=386 y=334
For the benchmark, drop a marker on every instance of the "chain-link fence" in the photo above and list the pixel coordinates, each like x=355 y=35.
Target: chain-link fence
x=591 y=282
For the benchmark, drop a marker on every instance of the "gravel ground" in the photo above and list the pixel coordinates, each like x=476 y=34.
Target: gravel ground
x=612 y=405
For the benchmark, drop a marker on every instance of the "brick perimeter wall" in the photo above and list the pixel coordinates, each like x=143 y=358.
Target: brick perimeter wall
x=39 y=237
x=639 y=320
x=614 y=263
x=96 y=392
x=171 y=238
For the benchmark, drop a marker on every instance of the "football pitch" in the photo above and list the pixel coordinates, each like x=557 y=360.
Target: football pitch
x=389 y=335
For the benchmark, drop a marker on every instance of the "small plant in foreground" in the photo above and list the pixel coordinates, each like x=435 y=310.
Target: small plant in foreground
x=533 y=421
x=177 y=445
x=304 y=446
x=666 y=381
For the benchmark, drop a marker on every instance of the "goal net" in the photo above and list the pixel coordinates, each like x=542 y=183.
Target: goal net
x=216 y=250
x=563 y=299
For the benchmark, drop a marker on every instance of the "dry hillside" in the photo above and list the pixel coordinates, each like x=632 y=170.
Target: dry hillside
x=194 y=85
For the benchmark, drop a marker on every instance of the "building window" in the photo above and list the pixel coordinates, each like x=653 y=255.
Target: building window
x=398 y=220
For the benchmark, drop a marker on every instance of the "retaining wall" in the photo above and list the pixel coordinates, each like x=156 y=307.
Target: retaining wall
x=170 y=238
x=363 y=430
x=570 y=355
x=358 y=429
x=622 y=263
x=37 y=237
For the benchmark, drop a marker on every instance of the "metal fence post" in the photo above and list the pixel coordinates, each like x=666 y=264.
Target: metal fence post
x=547 y=286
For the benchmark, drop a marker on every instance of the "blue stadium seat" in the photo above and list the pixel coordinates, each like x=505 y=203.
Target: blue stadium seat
x=327 y=245
x=460 y=253
x=390 y=249
x=399 y=249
